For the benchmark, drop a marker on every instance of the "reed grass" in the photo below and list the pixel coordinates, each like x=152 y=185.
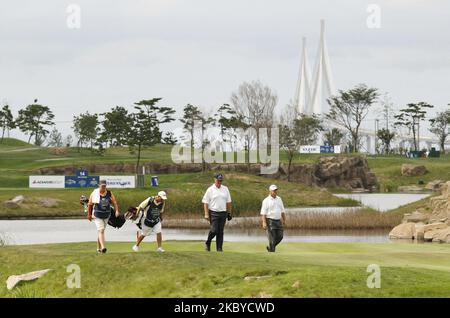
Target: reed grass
x=350 y=220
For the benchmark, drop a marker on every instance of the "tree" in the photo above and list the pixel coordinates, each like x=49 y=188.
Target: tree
x=169 y=138
x=204 y=121
x=228 y=122
x=68 y=141
x=334 y=137
x=254 y=103
x=387 y=111
x=223 y=120
x=86 y=129
x=55 y=138
x=145 y=130
x=349 y=108
x=410 y=117
x=116 y=124
x=33 y=121
x=440 y=126
x=296 y=130
x=308 y=128
x=289 y=141
x=191 y=114
x=385 y=136
x=6 y=120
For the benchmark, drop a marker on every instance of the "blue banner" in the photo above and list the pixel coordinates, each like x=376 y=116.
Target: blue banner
x=326 y=149
x=81 y=181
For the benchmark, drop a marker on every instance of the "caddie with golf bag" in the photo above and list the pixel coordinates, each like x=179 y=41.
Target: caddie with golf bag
x=100 y=209
x=149 y=216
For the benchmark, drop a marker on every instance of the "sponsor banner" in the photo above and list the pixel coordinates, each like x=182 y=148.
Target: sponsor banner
x=81 y=182
x=46 y=181
x=320 y=149
x=120 y=181
x=326 y=149
x=309 y=149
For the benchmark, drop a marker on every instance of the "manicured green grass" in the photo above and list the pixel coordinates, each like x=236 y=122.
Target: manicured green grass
x=185 y=270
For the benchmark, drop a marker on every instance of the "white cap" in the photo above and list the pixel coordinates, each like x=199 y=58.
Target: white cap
x=273 y=187
x=163 y=195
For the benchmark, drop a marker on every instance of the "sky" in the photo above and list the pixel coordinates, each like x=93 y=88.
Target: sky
x=199 y=51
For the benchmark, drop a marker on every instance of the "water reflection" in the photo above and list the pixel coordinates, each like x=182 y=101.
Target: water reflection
x=65 y=231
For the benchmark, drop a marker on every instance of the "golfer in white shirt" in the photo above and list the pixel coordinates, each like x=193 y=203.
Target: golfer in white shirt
x=273 y=217
x=217 y=208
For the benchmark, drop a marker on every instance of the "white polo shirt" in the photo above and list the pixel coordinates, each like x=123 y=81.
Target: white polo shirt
x=272 y=207
x=217 y=198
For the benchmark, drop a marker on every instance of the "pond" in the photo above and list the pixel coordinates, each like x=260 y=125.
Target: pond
x=80 y=230
x=65 y=231
x=384 y=201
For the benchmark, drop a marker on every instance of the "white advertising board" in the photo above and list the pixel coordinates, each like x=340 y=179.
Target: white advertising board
x=46 y=181
x=120 y=181
x=309 y=149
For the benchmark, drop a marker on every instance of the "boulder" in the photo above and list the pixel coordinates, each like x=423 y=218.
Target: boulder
x=403 y=231
x=419 y=231
x=440 y=205
x=434 y=226
x=15 y=202
x=48 y=202
x=431 y=235
x=443 y=236
x=13 y=280
x=435 y=185
x=428 y=227
x=413 y=170
x=415 y=217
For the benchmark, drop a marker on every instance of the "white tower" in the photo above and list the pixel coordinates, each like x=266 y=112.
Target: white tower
x=322 y=73
x=302 y=100
x=310 y=96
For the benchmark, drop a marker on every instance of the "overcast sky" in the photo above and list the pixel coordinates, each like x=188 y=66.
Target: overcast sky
x=199 y=51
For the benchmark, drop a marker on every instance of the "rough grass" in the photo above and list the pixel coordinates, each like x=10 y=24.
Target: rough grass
x=12 y=142
x=388 y=170
x=185 y=270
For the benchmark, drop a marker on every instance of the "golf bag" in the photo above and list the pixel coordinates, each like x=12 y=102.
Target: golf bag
x=84 y=202
x=113 y=221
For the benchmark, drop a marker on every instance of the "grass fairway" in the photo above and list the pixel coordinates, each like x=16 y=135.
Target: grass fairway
x=185 y=270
